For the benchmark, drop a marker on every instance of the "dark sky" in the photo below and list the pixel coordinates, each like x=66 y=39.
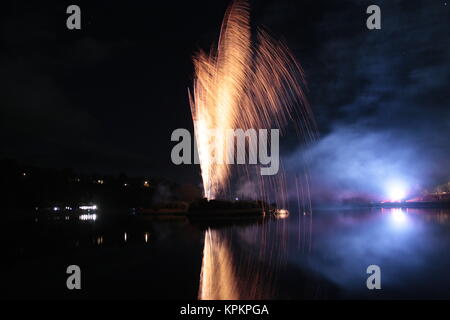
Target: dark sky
x=106 y=98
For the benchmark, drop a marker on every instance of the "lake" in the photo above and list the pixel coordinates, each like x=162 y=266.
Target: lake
x=323 y=255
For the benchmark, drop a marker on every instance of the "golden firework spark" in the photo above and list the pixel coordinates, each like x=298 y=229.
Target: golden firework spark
x=243 y=84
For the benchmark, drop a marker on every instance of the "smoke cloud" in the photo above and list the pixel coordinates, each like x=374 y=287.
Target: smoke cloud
x=382 y=103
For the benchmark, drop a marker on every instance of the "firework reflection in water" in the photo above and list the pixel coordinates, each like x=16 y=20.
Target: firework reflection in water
x=235 y=267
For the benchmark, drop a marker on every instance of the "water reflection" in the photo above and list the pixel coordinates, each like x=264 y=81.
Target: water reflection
x=218 y=279
x=399 y=219
x=87 y=217
x=142 y=254
x=99 y=240
x=330 y=260
x=242 y=262
x=317 y=255
x=410 y=246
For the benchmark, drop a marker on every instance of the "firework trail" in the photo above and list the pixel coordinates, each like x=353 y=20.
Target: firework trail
x=244 y=84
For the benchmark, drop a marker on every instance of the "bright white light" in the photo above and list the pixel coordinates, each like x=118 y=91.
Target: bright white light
x=282 y=213
x=396 y=191
x=94 y=207
x=55 y=208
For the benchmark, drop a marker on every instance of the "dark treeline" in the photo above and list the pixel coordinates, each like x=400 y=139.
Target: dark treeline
x=27 y=187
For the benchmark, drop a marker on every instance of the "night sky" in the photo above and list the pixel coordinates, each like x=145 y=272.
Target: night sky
x=106 y=98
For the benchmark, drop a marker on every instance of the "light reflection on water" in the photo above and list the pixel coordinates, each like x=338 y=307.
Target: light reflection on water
x=320 y=255
x=409 y=245
x=327 y=256
x=218 y=279
x=242 y=262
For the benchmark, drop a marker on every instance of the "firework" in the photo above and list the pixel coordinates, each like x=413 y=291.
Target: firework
x=243 y=84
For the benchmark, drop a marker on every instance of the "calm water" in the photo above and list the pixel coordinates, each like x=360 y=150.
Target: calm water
x=320 y=256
